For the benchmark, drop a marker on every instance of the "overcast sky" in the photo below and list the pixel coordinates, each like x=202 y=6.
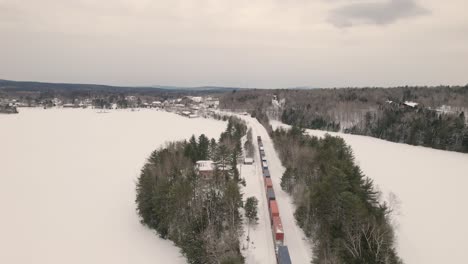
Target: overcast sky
x=248 y=43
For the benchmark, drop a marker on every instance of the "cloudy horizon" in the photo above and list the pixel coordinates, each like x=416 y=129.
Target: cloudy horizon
x=257 y=44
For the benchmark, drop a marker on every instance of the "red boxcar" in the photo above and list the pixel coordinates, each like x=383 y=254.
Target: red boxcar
x=278 y=233
x=268 y=183
x=273 y=209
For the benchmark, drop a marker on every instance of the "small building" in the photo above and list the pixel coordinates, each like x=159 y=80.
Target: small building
x=283 y=255
x=69 y=105
x=411 y=104
x=205 y=168
x=193 y=116
x=186 y=113
x=156 y=104
x=248 y=161
x=196 y=99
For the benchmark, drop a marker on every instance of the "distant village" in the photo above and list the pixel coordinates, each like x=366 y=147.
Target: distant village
x=189 y=106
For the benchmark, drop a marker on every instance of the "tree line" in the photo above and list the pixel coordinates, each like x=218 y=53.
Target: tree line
x=201 y=216
x=336 y=205
x=366 y=111
x=416 y=126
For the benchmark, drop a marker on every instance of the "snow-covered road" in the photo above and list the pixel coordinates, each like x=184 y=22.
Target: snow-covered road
x=261 y=241
x=300 y=248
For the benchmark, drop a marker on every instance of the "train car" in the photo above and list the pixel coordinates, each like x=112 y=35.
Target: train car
x=266 y=173
x=264 y=158
x=262 y=153
x=268 y=183
x=259 y=138
x=261 y=148
x=264 y=165
x=278 y=233
x=273 y=208
x=270 y=194
x=283 y=255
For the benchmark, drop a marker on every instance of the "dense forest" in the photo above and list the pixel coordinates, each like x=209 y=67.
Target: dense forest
x=201 y=215
x=336 y=205
x=439 y=120
x=416 y=126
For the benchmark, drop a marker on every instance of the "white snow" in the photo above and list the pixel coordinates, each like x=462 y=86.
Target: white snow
x=67 y=184
x=411 y=104
x=431 y=186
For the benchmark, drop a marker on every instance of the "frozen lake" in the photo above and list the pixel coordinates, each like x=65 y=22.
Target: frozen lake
x=431 y=186
x=67 y=184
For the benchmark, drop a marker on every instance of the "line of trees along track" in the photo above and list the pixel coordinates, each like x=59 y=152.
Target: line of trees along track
x=337 y=206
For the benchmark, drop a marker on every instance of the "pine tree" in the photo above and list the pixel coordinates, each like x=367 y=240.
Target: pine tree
x=203 y=147
x=251 y=211
x=213 y=149
x=233 y=161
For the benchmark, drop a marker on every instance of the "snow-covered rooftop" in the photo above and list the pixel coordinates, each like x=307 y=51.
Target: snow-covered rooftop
x=248 y=160
x=411 y=104
x=205 y=165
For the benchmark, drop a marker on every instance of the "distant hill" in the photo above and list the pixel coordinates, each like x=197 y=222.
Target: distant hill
x=30 y=86
x=198 y=88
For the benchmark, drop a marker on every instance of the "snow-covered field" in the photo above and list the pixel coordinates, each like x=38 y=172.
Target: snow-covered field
x=67 y=184
x=431 y=187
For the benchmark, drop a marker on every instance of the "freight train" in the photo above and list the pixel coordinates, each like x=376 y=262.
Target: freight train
x=281 y=250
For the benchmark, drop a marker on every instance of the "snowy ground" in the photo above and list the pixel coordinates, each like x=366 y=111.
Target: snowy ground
x=261 y=248
x=300 y=248
x=67 y=184
x=431 y=186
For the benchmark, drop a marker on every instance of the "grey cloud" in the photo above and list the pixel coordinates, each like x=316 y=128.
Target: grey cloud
x=378 y=13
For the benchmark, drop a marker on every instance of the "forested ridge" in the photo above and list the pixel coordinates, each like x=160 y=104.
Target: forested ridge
x=416 y=126
x=438 y=121
x=336 y=205
x=200 y=215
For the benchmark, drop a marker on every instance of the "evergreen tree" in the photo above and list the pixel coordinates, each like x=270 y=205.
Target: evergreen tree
x=203 y=147
x=213 y=149
x=251 y=211
x=233 y=164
